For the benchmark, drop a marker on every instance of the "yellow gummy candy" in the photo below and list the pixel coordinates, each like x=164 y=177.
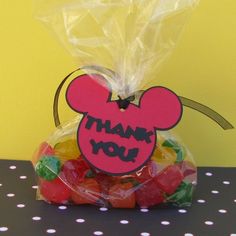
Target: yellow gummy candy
x=67 y=150
x=164 y=155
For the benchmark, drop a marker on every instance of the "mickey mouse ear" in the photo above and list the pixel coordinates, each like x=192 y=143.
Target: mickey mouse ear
x=162 y=107
x=87 y=92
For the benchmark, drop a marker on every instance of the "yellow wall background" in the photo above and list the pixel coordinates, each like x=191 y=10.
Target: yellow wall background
x=203 y=68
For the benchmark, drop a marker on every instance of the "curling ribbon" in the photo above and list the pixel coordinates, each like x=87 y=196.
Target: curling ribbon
x=207 y=111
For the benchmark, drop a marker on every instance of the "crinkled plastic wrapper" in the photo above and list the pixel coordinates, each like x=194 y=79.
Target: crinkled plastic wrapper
x=131 y=38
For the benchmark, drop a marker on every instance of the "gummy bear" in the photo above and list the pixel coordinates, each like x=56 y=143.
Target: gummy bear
x=55 y=191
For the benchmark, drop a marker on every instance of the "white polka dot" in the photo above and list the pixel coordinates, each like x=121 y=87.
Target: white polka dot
x=36 y=218
x=3 y=229
x=182 y=211
x=35 y=186
x=62 y=207
x=209 y=223
x=201 y=201
x=165 y=222
x=226 y=182
x=51 y=231
x=223 y=211
x=145 y=234
x=103 y=209
x=12 y=167
x=23 y=177
x=214 y=191
x=209 y=174
x=80 y=220
x=232 y=234
x=10 y=195
x=20 y=205
x=98 y=233
x=188 y=234
x=124 y=222
x=234 y=200
x=144 y=210
x=0 y=185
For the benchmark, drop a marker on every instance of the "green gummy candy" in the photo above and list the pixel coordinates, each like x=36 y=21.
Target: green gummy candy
x=183 y=195
x=48 y=167
x=179 y=150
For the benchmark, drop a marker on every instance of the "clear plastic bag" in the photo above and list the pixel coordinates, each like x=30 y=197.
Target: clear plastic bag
x=131 y=38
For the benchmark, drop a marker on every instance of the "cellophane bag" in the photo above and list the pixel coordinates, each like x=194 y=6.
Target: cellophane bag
x=124 y=42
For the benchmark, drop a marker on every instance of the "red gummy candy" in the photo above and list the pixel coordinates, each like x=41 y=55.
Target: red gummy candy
x=187 y=168
x=55 y=191
x=169 y=179
x=74 y=171
x=87 y=192
x=45 y=150
x=105 y=181
x=147 y=172
x=149 y=195
x=122 y=196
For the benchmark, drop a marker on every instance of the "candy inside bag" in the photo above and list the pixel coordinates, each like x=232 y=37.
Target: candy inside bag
x=168 y=178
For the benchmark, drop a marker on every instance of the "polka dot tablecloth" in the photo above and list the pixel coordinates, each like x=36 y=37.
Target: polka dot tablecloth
x=213 y=212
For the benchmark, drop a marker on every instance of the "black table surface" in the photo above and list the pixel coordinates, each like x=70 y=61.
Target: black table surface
x=213 y=212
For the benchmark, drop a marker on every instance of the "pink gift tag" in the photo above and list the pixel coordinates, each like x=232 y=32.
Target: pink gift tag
x=118 y=141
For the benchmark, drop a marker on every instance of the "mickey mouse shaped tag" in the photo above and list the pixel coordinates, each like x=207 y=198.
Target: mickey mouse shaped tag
x=117 y=141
